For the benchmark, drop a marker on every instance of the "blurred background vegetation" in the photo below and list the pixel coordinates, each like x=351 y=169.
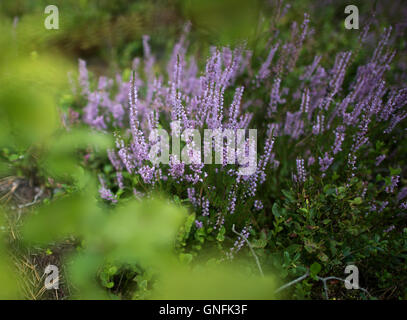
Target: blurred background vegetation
x=108 y=34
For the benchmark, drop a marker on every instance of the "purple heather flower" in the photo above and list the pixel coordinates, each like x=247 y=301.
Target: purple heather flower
x=205 y=206
x=275 y=97
x=309 y=70
x=264 y=71
x=383 y=206
x=325 y=162
x=198 y=224
x=239 y=243
x=119 y=177
x=176 y=168
x=114 y=160
x=301 y=174
x=234 y=108
x=105 y=193
x=338 y=71
x=363 y=194
x=219 y=221
x=232 y=200
x=318 y=127
x=293 y=125
x=258 y=205
x=402 y=194
x=305 y=100
x=339 y=138
x=147 y=174
x=83 y=77
x=191 y=196
x=393 y=184
x=380 y=158
x=392 y=227
x=137 y=194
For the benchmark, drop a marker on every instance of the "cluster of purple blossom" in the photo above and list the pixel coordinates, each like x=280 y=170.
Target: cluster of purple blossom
x=106 y=193
x=193 y=100
x=341 y=115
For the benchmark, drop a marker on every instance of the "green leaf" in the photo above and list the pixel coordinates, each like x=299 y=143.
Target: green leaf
x=323 y=257
x=304 y=210
x=310 y=246
x=259 y=243
x=288 y=195
x=13 y=157
x=356 y=201
x=315 y=268
x=112 y=270
x=185 y=258
x=221 y=234
x=108 y=168
x=395 y=172
x=275 y=210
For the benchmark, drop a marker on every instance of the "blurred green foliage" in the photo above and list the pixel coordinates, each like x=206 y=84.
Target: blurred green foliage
x=29 y=86
x=8 y=276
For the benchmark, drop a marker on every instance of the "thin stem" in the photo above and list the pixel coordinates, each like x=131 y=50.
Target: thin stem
x=251 y=249
x=293 y=282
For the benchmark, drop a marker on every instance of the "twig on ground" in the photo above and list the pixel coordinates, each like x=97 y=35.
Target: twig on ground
x=293 y=282
x=39 y=194
x=324 y=280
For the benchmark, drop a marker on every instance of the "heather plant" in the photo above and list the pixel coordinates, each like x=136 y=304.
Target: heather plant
x=206 y=108
x=327 y=188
